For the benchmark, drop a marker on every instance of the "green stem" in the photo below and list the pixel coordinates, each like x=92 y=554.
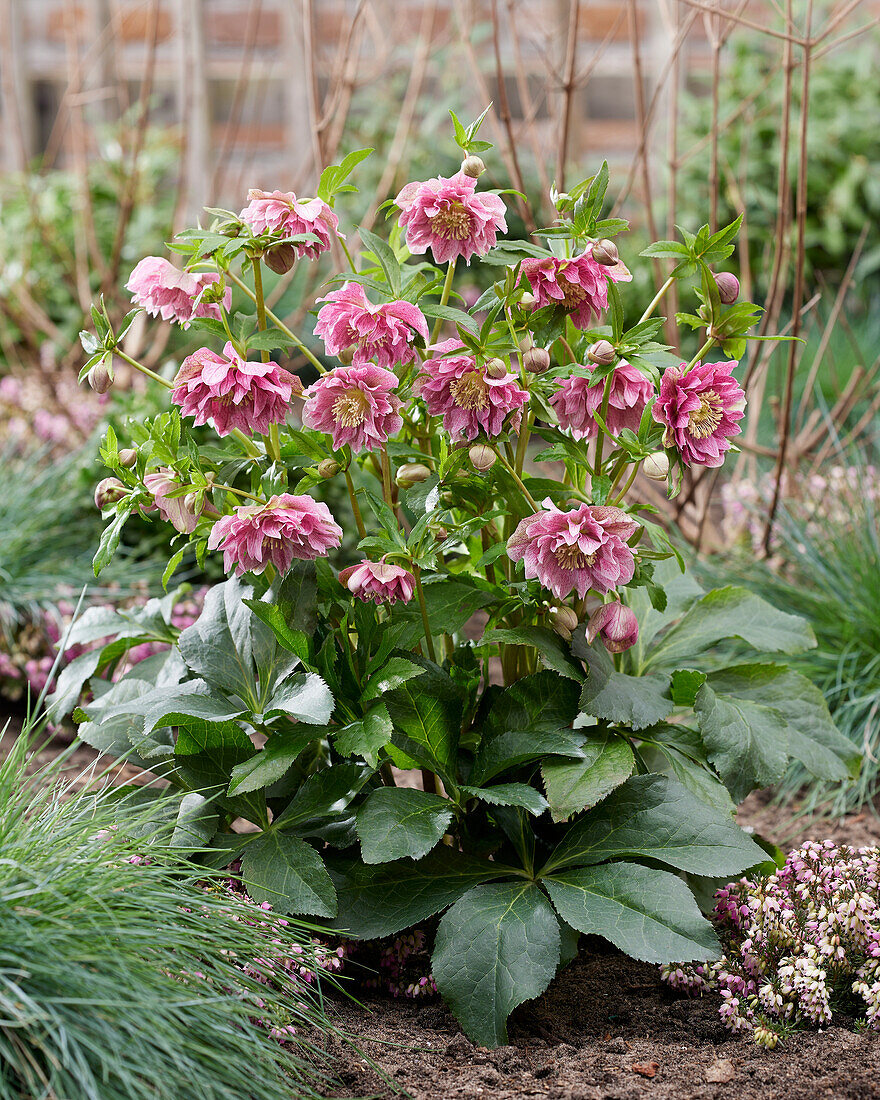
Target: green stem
x=355 y=507
x=144 y=370
x=600 y=438
x=626 y=487
x=518 y=480
x=248 y=444
x=423 y=607
x=444 y=298
x=700 y=354
x=347 y=253
x=386 y=477
x=658 y=297
x=522 y=443
x=294 y=339
x=238 y=492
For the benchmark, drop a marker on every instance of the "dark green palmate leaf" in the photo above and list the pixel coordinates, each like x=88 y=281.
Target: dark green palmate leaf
x=289 y=874
x=426 y=714
x=575 y=785
x=649 y=914
x=678 y=751
x=634 y=701
x=656 y=817
x=555 y=653
x=515 y=747
x=498 y=946
x=539 y=702
x=510 y=794
x=395 y=822
x=274 y=760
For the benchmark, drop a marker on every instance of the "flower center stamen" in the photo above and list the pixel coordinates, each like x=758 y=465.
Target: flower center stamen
x=470 y=391
x=572 y=293
x=350 y=409
x=703 y=421
x=572 y=557
x=453 y=223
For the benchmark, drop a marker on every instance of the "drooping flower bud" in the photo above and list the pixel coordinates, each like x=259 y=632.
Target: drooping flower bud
x=605 y=253
x=127 y=458
x=536 y=360
x=100 y=378
x=617 y=624
x=473 y=166
x=482 y=457
x=108 y=492
x=345 y=355
x=496 y=368
x=280 y=258
x=656 y=466
x=328 y=468
x=728 y=287
x=527 y=300
x=601 y=353
x=526 y=341
x=411 y=474
x=440 y=534
x=564 y=621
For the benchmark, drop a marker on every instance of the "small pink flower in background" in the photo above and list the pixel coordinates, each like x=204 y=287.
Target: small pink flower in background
x=283 y=213
x=617 y=625
x=447 y=216
x=380 y=334
x=579 y=284
x=173 y=509
x=466 y=396
x=231 y=391
x=700 y=409
x=577 y=550
x=173 y=295
x=284 y=528
x=356 y=405
x=578 y=399
x=378 y=581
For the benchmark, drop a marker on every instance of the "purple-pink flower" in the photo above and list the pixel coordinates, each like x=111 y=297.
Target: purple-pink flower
x=617 y=625
x=382 y=334
x=469 y=398
x=577 y=550
x=580 y=284
x=578 y=399
x=447 y=216
x=235 y=393
x=174 y=295
x=283 y=213
x=171 y=508
x=378 y=581
x=356 y=405
x=700 y=409
x=284 y=528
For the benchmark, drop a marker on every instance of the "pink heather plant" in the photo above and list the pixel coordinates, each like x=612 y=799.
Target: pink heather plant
x=382 y=334
x=449 y=218
x=357 y=406
x=174 y=509
x=173 y=295
x=578 y=399
x=232 y=392
x=379 y=581
x=700 y=409
x=577 y=550
x=282 y=213
x=580 y=284
x=468 y=398
x=274 y=533
x=616 y=624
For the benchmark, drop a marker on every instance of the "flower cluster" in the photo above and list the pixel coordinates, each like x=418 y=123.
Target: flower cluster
x=402 y=965
x=798 y=944
x=174 y=295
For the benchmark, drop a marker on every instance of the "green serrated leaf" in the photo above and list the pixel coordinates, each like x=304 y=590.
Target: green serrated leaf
x=289 y=874
x=400 y=822
x=575 y=785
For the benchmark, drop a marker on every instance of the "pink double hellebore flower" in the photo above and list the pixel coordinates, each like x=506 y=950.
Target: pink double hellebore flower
x=578 y=399
x=382 y=334
x=468 y=398
x=232 y=392
x=575 y=551
x=173 y=509
x=700 y=409
x=283 y=213
x=378 y=581
x=173 y=295
x=580 y=284
x=356 y=405
x=447 y=216
x=617 y=625
x=284 y=528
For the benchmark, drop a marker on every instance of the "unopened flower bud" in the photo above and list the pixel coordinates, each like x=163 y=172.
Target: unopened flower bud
x=617 y=625
x=728 y=287
x=296 y=386
x=601 y=353
x=231 y=228
x=328 y=468
x=192 y=501
x=447 y=498
x=496 y=368
x=526 y=341
x=656 y=466
x=482 y=457
x=108 y=492
x=564 y=620
x=562 y=199
x=440 y=534
x=536 y=360
x=605 y=252
x=411 y=474
x=280 y=258
x=527 y=300
x=127 y=458
x=473 y=166
x=704 y=312
x=100 y=378
x=346 y=355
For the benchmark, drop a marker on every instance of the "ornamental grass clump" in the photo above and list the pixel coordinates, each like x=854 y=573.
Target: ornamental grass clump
x=801 y=946
x=577 y=718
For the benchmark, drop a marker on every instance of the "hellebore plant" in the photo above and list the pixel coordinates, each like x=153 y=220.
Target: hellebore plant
x=493 y=714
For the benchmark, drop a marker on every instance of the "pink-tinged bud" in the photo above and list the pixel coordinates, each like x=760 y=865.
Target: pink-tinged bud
x=601 y=353
x=605 y=253
x=328 y=468
x=496 y=368
x=346 y=355
x=473 y=166
x=617 y=625
x=526 y=341
x=440 y=534
x=296 y=386
x=536 y=360
x=100 y=378
x=412 y=473
x=564 y=621
x=482 y=457
x=656 y=466
x=127 y=458
x=108 y=492
x=280 y=258
x=728 y=287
